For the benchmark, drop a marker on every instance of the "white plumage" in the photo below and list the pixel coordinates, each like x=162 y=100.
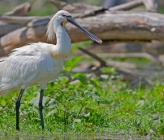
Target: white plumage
x=30 y=65
x=38 y=63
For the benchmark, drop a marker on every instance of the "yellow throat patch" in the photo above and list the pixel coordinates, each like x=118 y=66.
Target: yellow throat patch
x=63 y=23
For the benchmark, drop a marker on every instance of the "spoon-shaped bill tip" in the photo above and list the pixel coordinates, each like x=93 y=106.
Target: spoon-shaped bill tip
x=93 y=37
x=99 y=41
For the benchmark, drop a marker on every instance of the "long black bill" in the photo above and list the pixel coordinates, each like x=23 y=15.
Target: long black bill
x=93 y=37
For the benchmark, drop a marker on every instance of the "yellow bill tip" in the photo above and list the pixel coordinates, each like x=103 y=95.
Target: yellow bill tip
x=99 y=41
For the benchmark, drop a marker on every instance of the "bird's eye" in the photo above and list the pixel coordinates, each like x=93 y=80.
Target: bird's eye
x=64 y=15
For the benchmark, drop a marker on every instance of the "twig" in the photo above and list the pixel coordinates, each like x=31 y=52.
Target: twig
x=102 y=62
x=134 y=80
x=20 y=10
x=58 y=4
x=151 y=5
x=127 y=6
x=17 y=19
x=78 y=10
x=126 y=55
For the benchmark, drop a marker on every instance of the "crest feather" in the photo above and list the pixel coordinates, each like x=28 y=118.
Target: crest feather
x=50 y=31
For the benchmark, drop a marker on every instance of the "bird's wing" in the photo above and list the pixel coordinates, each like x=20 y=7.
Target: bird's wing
x=16 y=70
x=26 y=64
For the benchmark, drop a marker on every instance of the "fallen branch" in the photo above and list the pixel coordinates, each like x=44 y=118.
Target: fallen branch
x=127 y=55
x=127 y=6
x=6 y=20
x=83 y=10
x=122 y=65
x=78 y=10
x=102 y=62
x=151 y=5
x=5 y=28
x=21 y=10
x=17 y=19
x=117 y=26
x=122 y=69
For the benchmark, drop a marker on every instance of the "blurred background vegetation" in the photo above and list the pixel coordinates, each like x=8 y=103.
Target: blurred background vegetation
x=43 y=7
x=39 y=7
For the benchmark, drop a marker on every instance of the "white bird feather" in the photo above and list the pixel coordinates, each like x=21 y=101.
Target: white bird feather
x=29 y=65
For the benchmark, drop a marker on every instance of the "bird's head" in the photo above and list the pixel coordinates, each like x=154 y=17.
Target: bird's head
x=60 y=19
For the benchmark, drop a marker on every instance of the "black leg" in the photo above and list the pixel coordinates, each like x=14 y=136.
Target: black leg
x=41 y=108
x=17 y=105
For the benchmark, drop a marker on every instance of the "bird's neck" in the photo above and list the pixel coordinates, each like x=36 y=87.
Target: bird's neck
x=63 y=41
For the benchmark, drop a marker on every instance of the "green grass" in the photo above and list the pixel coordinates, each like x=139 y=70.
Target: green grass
x=90 y=105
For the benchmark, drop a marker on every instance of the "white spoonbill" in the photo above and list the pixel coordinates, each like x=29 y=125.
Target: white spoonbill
x=38 y=63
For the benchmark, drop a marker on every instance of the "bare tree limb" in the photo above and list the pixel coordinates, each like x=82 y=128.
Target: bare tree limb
x=79 y=10
x=151 y=5
x=84 y=10
x=17 y=19
x=122 y=69
x=6 y=24
x=6 y=28
x=127 y=6
x=129 y=55
x=102 y=62
x=21 y=10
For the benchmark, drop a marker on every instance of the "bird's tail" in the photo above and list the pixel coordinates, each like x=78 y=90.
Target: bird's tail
x=1 y=70
x=2 y=91
x=5 y=89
